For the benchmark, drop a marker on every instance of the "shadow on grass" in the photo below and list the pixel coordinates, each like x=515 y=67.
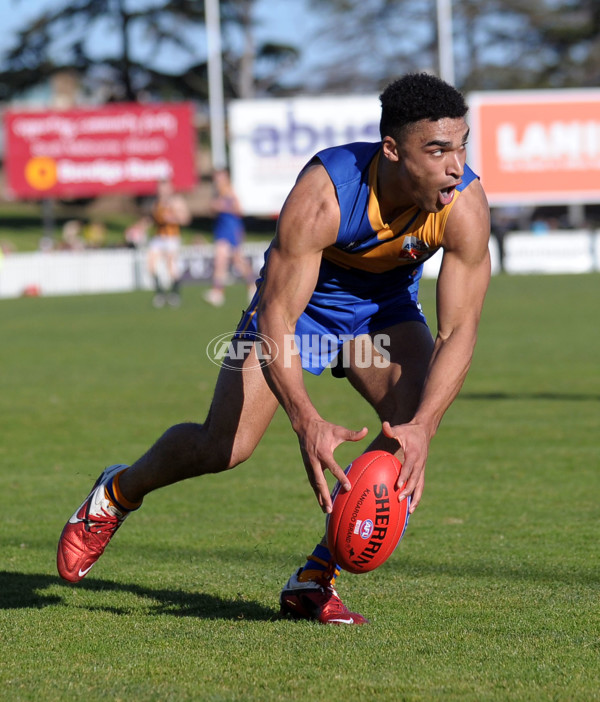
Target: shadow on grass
x=27 y=591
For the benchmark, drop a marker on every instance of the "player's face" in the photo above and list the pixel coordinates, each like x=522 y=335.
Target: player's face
x=431 y=161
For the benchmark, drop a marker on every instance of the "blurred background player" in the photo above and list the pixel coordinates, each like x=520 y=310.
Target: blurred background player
x=229 y=234
x=170 y=213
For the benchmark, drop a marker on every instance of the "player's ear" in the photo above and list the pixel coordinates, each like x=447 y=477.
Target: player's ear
x=390 y=148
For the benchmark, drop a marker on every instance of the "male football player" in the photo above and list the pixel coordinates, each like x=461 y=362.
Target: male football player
x=344 y=264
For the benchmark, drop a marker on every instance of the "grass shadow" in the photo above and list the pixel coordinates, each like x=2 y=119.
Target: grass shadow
x=27 y=591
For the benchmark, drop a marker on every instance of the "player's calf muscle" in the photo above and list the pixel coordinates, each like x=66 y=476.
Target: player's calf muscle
x=197 y=449
x=183 y=451
x=208 y=448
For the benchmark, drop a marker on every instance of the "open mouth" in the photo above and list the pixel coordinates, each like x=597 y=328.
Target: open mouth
x=447 y=195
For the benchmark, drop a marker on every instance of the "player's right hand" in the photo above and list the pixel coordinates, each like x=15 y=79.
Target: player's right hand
x=318 y=440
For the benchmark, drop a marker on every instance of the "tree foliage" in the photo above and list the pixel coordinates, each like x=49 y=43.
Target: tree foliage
x=362 y=45
x=498 y=44
x=539 y=44
x=132 y=59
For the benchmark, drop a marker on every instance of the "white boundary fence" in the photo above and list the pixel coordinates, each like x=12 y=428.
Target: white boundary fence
x=101 y=271
x=123 y=270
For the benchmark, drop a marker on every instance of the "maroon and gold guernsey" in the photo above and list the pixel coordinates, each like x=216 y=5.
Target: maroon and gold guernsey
x=163 y=216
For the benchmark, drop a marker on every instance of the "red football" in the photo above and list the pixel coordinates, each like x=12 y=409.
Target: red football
x=367 y=523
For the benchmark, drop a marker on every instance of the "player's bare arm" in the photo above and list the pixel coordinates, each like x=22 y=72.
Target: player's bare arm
x=308 y=224
x=461 y=289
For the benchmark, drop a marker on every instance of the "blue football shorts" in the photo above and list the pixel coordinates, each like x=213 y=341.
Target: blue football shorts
x=228 y=227
x=344 y=305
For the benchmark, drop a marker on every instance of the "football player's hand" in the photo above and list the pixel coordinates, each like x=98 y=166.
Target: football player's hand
x=414 y=443
x=318 y=441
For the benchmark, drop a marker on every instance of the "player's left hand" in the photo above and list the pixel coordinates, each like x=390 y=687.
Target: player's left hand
x=414 y=442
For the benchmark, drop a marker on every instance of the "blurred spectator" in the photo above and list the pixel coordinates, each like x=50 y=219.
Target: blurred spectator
x=94 y=234
x=136 y=235
x=229 y=233
x=170 y=213
x=71 y=236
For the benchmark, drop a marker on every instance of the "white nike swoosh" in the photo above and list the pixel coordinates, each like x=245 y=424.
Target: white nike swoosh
x=86 y=571
x=342 y=621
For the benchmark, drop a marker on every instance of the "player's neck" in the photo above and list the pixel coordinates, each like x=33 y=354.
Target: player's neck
x=392 y=200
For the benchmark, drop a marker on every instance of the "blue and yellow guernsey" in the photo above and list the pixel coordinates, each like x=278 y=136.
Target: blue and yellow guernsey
x=365 y=242
x=369 y=278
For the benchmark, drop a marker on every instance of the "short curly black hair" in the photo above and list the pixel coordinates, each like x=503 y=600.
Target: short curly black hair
x=418 y=96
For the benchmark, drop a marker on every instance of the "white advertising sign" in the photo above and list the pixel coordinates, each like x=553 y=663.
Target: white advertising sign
x=271 y=140
x=557 y=252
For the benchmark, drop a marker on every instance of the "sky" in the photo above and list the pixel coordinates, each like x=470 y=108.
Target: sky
x=14 y=14
x=282 y=21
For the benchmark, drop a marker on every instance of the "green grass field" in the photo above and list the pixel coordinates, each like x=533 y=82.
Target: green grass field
x=494 y=594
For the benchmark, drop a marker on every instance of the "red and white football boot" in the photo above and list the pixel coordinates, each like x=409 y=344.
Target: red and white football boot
x=89 y=530
x=317 y=601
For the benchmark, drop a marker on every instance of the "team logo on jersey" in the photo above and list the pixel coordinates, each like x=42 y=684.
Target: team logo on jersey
x=413 y=248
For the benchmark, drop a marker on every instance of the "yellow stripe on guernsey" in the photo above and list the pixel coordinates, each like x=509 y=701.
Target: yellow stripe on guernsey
x=411 y=238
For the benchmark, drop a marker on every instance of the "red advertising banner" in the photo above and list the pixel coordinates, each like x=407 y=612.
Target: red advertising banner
x=118 y=148
x=537 y=147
